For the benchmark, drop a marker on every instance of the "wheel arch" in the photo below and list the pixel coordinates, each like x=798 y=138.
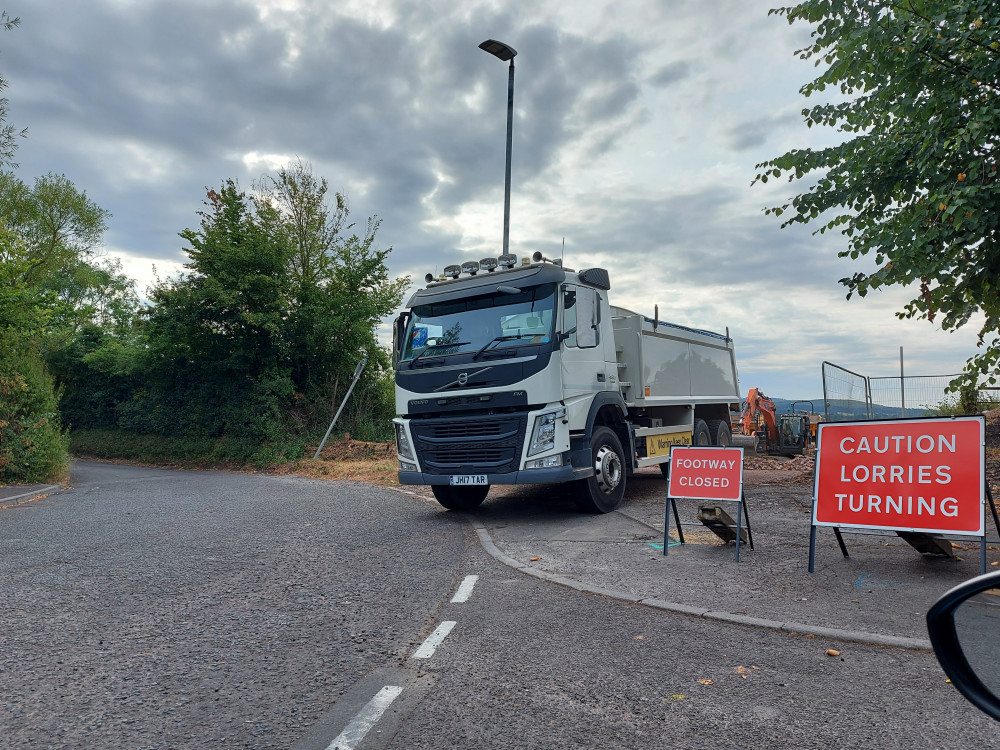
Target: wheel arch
x=713 y=412
x=609 y=410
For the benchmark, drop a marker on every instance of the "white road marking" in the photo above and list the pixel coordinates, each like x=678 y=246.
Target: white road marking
x=426 y=650
x=361 y=724
x=465 y=590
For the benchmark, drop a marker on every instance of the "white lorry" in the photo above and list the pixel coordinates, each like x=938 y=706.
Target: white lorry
x=524 y=373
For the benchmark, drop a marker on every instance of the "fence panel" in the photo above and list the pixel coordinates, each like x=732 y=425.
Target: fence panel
x=849 y=395
x=922 y=396
x=845 y=394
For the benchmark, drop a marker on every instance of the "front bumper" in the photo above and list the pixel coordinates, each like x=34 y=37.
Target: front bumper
x=555 y=475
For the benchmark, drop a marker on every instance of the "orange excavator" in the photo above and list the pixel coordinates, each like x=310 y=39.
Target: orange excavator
x=785 y=434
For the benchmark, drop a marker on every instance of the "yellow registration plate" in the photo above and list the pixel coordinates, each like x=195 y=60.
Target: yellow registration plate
x=659 y=445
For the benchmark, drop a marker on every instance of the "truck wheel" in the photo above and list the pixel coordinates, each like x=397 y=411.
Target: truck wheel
x=603 y=492
x=702 y=435
x=721 y=432
x=460 y=498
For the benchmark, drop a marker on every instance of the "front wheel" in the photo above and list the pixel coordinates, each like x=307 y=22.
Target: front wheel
x=603 y=492
x=460 y=498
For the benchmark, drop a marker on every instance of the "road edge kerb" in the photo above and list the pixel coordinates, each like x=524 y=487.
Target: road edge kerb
x=28 y=496
x=853 y=636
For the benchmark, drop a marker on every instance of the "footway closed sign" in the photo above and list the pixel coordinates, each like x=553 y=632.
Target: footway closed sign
x=706 y=473
x=906 y=475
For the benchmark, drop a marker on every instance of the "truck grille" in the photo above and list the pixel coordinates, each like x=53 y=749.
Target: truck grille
x=467 y=430
x=469 y=445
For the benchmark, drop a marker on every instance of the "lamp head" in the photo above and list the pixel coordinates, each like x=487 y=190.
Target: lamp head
x=498 y=49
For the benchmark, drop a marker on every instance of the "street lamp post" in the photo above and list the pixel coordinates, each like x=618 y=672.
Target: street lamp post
x=505 y=53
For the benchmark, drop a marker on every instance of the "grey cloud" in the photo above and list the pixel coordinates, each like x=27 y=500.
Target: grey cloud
x=201 y=85
x=672 y=73
x=699 y=240
x=753 y=133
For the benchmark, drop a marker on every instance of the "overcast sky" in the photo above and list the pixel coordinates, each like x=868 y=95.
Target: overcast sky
x=637 y=127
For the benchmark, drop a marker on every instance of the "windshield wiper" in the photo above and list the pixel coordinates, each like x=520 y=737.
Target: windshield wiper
x=498 y=339
x=434 y=346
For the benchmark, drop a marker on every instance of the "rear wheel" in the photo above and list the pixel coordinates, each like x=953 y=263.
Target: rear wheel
x=702 y=435
x=460 y=498
x=721 y=432
x=603 y=492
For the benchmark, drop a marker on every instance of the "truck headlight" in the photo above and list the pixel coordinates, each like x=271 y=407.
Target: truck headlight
x=402 y=442
x=543 y=435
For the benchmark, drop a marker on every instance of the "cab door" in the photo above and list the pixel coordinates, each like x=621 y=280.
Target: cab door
x=583 y=360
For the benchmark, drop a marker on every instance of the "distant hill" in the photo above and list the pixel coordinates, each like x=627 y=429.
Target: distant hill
x=841 y=409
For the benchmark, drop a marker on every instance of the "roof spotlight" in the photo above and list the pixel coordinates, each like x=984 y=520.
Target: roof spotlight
x=539 y=258
x=507 y=260
x=470 y=267
x=452 y=271
x=488 y=264
x=429 y=278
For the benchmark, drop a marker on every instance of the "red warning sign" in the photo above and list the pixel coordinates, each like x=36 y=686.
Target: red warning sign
x=706 y=473
x=907 y=475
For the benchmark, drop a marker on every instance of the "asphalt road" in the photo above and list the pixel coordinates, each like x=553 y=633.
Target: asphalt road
x=157 y=609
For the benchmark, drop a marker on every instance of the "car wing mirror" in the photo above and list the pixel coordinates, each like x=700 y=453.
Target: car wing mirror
x=964 y=625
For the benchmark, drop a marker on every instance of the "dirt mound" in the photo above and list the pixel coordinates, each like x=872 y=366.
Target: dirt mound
x=770 y=463
x=349 y=449
x=993 y=428
x=993 y=449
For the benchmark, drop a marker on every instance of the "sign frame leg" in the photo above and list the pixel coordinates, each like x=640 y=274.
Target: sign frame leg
x=746 y=512
x=993 y=507
x=739 y=527
x=671 y=503
x=840 y=540
x=812 y=548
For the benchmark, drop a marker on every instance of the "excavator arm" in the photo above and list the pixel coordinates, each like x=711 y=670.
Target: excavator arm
x=759 y=404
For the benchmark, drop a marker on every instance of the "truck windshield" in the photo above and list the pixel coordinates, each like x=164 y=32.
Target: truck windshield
x=487 y=323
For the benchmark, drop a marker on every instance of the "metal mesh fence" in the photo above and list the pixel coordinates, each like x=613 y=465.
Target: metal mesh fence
x=849 y=395
x=912 y=396
x=845 y=394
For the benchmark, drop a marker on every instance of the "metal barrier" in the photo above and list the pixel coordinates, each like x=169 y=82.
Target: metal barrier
x=848 y=395
x=911 y=396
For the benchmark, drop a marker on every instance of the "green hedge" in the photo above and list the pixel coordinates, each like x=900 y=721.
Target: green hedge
x=32 y=441
x=154 y=449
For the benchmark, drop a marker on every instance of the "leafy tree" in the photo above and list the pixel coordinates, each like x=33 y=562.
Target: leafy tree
x=8 y=133
x=217 y=358
x=245 y=354
x=59 y=226
x=33 y=445
x=312 y=227
x=342 y=289
x=915 y=87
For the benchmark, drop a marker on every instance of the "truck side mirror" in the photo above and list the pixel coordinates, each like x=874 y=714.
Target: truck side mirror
x=399 y=335
x=587 y=319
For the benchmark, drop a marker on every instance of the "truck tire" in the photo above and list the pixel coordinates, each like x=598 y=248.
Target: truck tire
x=702 y=435
x=603 y=492
x=460 y=498
x=721 y=432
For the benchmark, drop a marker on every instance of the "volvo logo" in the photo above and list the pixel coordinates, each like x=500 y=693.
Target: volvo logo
x=462 y=380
